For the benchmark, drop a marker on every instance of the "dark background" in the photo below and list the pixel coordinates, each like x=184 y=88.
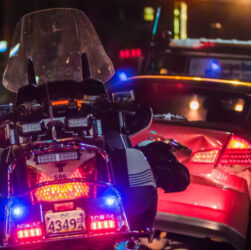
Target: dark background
x=120 y=23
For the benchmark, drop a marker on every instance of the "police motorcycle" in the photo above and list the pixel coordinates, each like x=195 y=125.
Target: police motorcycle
x=68 y=171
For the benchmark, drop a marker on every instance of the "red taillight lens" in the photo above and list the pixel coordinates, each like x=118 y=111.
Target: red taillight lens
x=63 y=191
x=100 y=225
x=130 y=53
x=29 y=231
x=237 y=152
x=208 y=156
x=103 y=222
x=77 y=173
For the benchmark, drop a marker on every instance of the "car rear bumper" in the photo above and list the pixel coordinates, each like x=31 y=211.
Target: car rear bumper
x=199 y=228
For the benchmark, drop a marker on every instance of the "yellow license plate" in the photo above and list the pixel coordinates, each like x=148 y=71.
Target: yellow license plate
x=64 y=222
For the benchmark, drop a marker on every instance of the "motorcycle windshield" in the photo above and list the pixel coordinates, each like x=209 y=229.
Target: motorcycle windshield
x=54 y=40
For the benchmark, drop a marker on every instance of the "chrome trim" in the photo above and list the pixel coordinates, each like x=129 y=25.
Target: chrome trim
x=200 y=228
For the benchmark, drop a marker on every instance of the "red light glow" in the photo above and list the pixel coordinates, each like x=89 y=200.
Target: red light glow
x=44 y=178
x=28 y=231
x=105 y=224
x=64 y=191
x=206 y=156
x=238 y=143
x=238 y=152
x=130 y=53
x=77 y=174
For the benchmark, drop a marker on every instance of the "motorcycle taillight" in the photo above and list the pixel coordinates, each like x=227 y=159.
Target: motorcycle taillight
x=29 y=231
x=62 y=191
x=103 y=223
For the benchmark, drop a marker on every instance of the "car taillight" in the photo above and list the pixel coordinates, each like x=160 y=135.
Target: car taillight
x=237 y=152
x=209 y=156
x=29 y=231
x=63 y=191
x=103 y=223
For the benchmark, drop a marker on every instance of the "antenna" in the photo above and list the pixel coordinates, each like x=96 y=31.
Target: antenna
x=85 y=67
x=31 y=72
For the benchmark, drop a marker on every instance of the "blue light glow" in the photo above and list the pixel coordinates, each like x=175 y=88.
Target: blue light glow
x=122 y=76
x=213 y=69
x=18 y=211
x=215 y=66
x=3 y=46
x=110 y=201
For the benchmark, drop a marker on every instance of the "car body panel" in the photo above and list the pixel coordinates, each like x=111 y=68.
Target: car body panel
x=216 y=202
x=212 y=193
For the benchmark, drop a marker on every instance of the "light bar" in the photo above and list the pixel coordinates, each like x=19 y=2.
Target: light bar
x=77 y=122
x=31 y=127
x=56 y=157
x=60 y=102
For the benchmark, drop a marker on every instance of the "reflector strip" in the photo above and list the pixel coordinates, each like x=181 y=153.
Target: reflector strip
x=206 y=156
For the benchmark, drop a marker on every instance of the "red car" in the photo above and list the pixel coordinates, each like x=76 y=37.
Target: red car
x=212 y=118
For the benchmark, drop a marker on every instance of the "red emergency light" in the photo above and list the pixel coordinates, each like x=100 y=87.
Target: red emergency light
x=129 y=53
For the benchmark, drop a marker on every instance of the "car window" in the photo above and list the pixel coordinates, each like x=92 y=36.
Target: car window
x=194 y=103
